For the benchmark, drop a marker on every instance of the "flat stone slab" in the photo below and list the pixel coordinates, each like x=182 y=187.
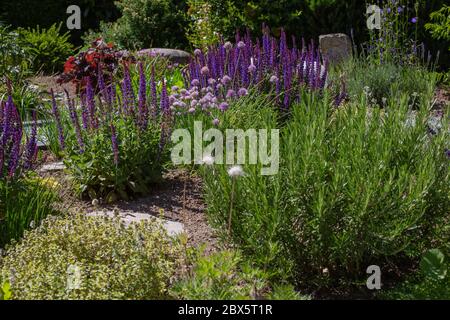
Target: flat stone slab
x=54 y=166
x=173 y=228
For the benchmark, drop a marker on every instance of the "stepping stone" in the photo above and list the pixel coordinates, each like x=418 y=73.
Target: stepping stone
x=173 y=228
x=54 y=166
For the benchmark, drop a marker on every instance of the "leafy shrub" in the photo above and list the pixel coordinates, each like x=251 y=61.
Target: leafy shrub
x=14 y=60
x=146 y=24
x=355 y=186
x=48 y=48
x=24 y=198
x=225 y=276
x=432 y=281
x=91 y=258
x=119 y=148
x=201 y=31
x=439 y=27
x=85 y=66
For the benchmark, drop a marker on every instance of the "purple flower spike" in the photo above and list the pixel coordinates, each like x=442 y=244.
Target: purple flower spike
x=153 y=93
x=31 y=147
x=164 y=104
x=143 y=111
x=58 y=120
x=16 y=136
x=115 y=145
x=75 y=122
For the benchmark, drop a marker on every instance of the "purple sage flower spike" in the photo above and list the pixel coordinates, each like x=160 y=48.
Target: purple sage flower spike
x=57 y=117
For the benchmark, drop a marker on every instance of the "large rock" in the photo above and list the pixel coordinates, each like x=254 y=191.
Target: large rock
x=174 y=55
x=336 y=47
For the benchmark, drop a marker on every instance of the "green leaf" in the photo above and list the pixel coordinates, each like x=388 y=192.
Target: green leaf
x=433 y=264
x=5 y=291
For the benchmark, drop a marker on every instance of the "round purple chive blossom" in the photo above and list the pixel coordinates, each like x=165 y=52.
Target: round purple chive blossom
x=209 y=89
x=183 y=91
x=228 y=46
x=251 y=68
x=211 y=81
x=223 y=106
x=215 y=100
x=175 y=88
x=194 y=103
x=241 y=45
x=219 y=86
x=204 y=70
x=194 y=94
x=414 y=20
x=203 y=90
x=225 y=80
x=191 y=110
x=231 y=93
x=195 y=82
x=242 y=92
x=273 y=79
x=197 y=52
x=171 y=99
x=216 y=122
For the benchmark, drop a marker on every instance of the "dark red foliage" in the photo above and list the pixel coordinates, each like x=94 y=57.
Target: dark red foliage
x=85 y=65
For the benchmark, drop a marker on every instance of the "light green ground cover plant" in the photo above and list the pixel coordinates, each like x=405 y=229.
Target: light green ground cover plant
x=226 y=276
x=80 y=257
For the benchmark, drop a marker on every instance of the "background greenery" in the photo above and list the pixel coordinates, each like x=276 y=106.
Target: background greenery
x=163 y=22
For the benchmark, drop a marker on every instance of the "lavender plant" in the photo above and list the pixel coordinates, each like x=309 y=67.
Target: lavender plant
x=115 y=143
x=356 y=185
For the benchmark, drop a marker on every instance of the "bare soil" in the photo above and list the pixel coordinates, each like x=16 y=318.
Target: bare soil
x=165 y=201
